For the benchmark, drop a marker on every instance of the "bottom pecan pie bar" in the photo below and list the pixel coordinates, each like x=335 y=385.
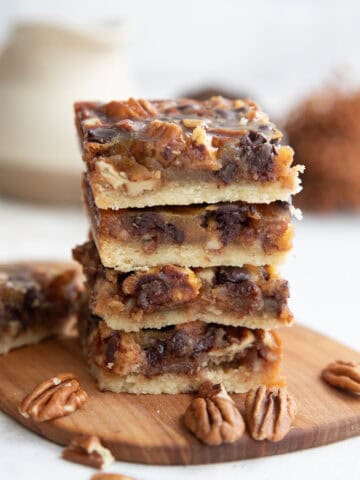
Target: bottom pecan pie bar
x=248 y=296
x=37 y=299
x=178 y=359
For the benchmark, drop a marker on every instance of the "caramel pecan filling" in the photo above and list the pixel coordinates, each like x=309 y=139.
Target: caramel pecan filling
x=241 y=291
x=230 y=140
x=182 y=349
x=213 y=226
x=267 y=224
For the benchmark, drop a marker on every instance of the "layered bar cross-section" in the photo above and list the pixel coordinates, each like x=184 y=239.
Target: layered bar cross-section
x=192 y=236
x=248 y=296
x=178 y=359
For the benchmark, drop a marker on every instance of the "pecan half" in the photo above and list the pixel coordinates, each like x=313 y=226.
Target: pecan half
x=345 y=375
x=88 y=450
x=131 y=109
x=213 y=417
x=53 y=398
x=158 y=286
x=269 y=412
x=110 y=476
x=165 y=137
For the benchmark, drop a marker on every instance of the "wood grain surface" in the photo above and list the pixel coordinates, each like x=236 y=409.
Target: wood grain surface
x=149 y=429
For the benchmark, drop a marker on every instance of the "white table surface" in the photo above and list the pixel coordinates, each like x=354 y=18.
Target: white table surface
x=324 y=278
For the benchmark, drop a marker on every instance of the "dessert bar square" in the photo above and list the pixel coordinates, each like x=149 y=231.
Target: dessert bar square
x=253 y=297
x=178 y=359
x=193 y=236
x=37 y=299
x=178 y=152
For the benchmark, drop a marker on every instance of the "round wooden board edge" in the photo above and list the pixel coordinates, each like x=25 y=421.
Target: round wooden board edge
x=197 y=453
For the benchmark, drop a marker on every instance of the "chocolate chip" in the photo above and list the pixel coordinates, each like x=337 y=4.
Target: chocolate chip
x=206 y=342
x=121 y=277
x=228 y=171
x=151 y=290
x=155 y=354
x=179 y=343
x=258 y=154
x=167 y=154
x=171 y=231
x=231 y=274
x=94 y=320
x=265 y=274
x=111 y=347
x=32 y=298
x=153 y=225
x=101 y=134
x=230 y=220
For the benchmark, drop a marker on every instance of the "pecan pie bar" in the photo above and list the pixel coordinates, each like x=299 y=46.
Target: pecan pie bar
x=178 y=152
x=37 y=299
x=248 y=296
x=193 y=236
x=178 y=359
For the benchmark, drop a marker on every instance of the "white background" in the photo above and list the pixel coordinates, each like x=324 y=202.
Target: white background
x=276 y=51
x=273 y=50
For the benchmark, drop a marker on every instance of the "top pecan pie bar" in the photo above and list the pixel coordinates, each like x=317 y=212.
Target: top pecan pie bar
x=179 y=152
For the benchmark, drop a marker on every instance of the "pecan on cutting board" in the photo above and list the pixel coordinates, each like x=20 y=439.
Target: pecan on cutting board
x=213 y=416
x=56 y=397
x=269 y=412
x=344 y=375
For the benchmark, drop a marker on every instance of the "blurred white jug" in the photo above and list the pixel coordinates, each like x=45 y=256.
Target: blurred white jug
x=44 y=68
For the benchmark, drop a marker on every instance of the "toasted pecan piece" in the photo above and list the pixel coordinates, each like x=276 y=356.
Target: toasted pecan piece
x=167 y=138
x=132 y=109
x=166 y=285
x=56 y=397
x=269 y=412
x=344 y=375
x=213 y=416
x=88 y=450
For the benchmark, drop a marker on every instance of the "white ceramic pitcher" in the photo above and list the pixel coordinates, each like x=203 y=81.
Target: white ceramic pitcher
x=44 y=68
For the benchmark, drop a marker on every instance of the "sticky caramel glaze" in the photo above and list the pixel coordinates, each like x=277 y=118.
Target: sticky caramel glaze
x=182 y=349
x=212 y=226
x=225 y=140
x=240 y=291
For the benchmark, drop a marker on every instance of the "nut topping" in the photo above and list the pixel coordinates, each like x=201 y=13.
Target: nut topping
x=269 y=413
x=213 y=417
x=53 y=398
x=167 y=138
x=345 y=375
x=132 y=109
x=88 y=450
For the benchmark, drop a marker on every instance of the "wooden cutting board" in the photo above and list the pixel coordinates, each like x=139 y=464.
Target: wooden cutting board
x=148 y=428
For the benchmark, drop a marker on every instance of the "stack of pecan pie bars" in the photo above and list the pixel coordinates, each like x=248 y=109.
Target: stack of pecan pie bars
x=188 y=203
